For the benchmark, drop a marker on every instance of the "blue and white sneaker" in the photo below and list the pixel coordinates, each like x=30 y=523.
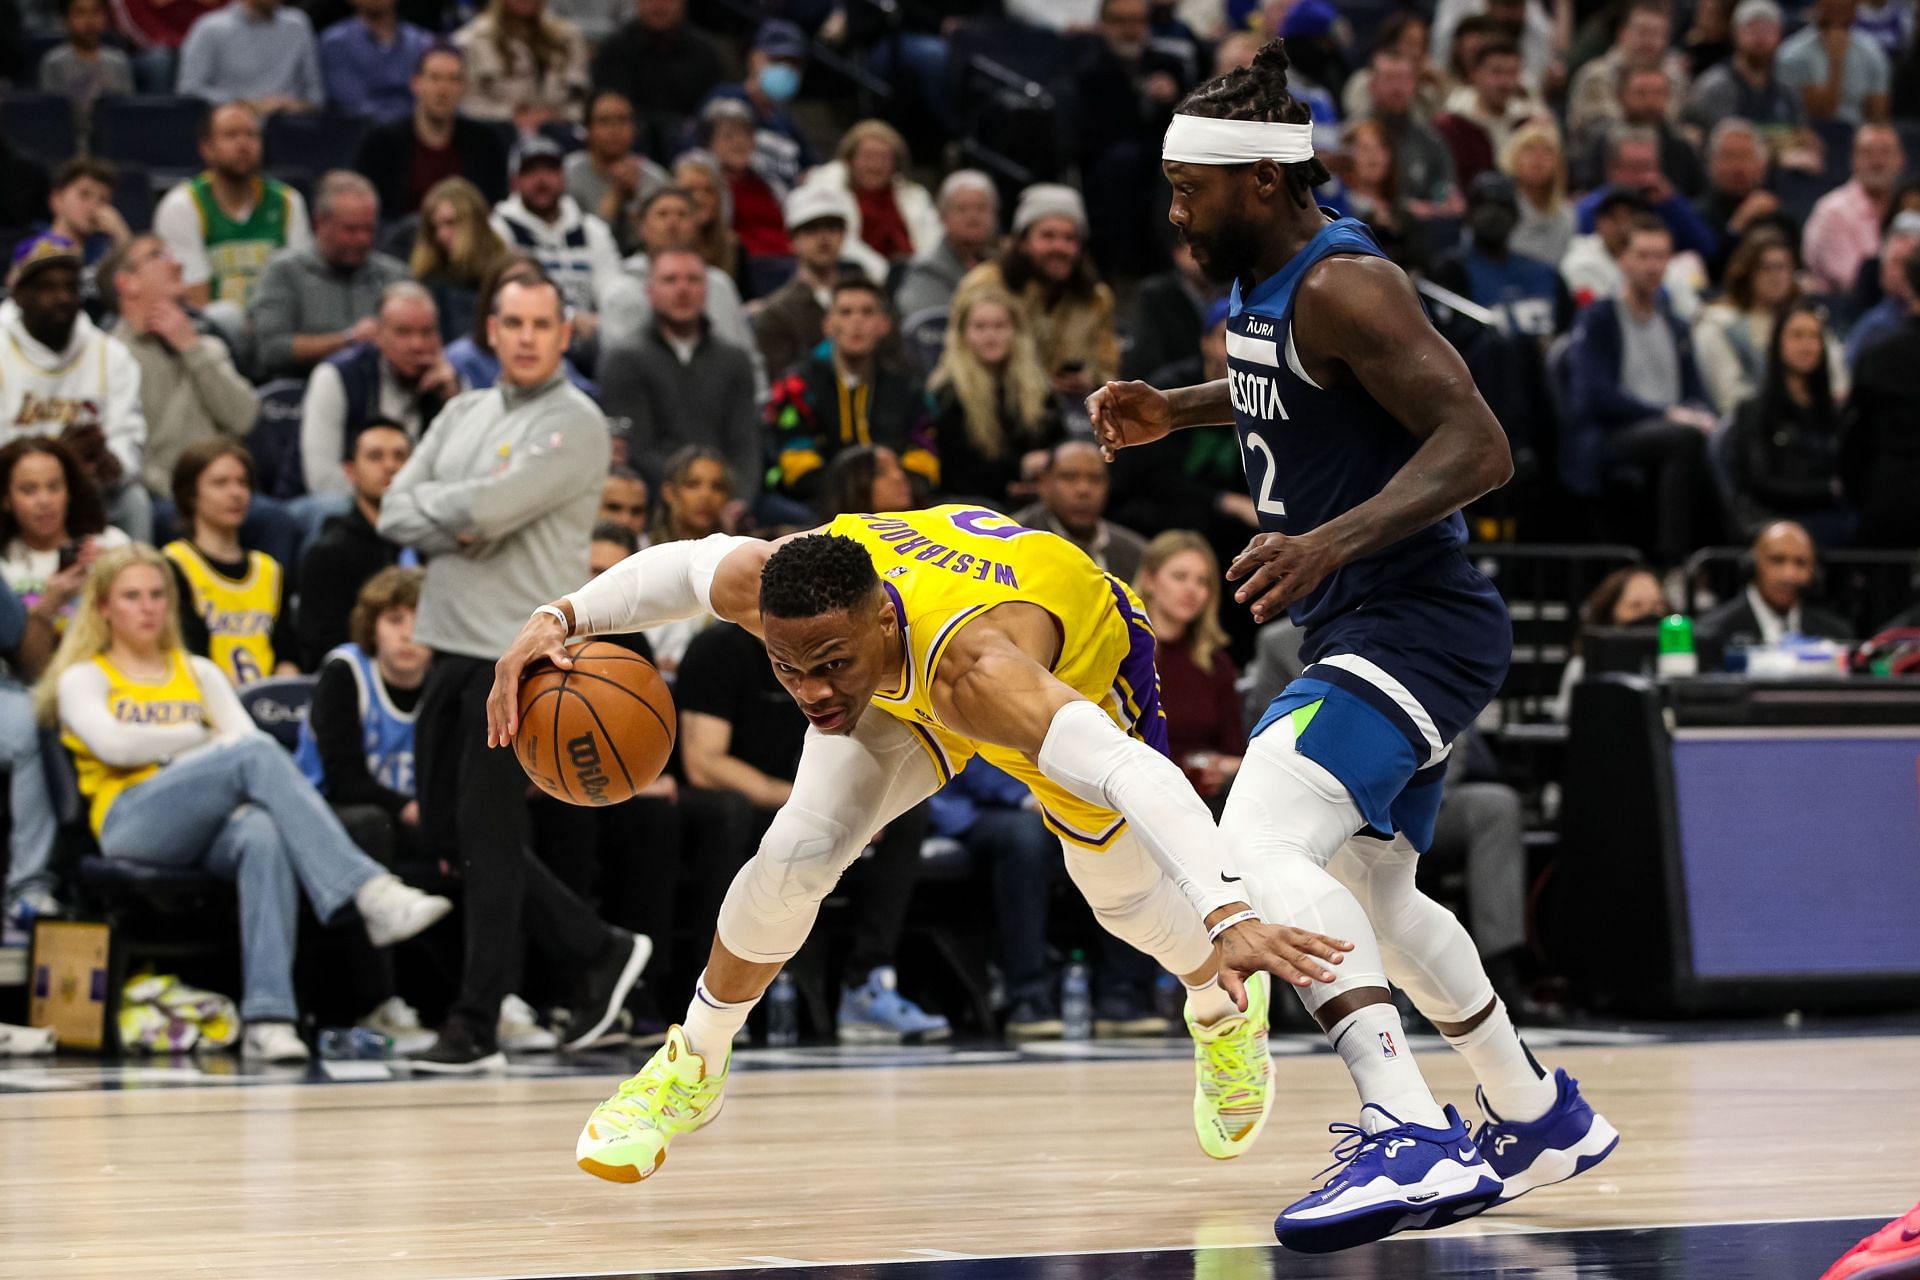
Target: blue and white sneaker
x=876 y=1013
x=1405 y=1178
x=1568 y=1140
x=23 y=909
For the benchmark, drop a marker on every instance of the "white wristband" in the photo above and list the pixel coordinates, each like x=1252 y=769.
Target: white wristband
x=1238 y=917
x=566 y=627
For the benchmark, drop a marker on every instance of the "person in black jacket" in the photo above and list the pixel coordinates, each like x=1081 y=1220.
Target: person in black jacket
x=663 y=66
x=350 y=551
x=994 y=415
x=1880 y=435
x=1168 y=316
x=405 y=159
x=1774 y=604
x=1784 y=450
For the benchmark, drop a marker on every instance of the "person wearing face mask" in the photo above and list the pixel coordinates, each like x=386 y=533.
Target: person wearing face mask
x=774 y=64
x=1526 y=297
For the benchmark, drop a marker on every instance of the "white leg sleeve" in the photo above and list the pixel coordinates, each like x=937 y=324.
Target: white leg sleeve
x=1135 y=902
x=1286 y=818
x=847 y=787
x=1091 y=756
x=1428 y=954
x=663 y=583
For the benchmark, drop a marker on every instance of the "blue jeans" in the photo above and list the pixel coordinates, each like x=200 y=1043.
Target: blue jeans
x=31 y=843
x=242 y=811
x=1025 y=857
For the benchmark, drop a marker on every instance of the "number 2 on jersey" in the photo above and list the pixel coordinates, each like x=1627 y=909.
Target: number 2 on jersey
x=1265 y=502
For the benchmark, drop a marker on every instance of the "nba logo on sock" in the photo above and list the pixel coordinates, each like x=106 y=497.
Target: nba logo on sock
x=1386 y=1045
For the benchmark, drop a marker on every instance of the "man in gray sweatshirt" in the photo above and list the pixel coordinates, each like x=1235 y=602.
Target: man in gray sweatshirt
x=501 y=495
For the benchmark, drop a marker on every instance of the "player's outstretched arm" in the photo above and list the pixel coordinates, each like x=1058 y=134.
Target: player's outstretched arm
x=718 y=575
x=1359 y=320
x=1133 y=413
x=994 y=685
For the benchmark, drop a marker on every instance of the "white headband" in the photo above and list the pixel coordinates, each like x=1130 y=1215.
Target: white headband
x=1199 y=140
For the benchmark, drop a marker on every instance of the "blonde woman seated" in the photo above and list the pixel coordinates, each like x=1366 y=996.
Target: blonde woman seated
x=1179 y=582
x=176 y=775
x=994 y=412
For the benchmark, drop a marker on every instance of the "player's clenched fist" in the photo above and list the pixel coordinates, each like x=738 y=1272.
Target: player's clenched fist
x=1128 y=413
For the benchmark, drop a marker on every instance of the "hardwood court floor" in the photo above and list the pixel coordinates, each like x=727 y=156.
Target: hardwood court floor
x=472 y=1178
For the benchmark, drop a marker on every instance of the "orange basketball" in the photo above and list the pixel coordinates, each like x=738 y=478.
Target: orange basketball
x=598 y=733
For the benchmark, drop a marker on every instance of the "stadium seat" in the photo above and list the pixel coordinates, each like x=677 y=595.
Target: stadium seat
x=275 y=438
x=278 y=705
x=133 y=194
x=157 y=916
x=925 y=333
x=162 y=133
x=317 y=142
x=40 y=124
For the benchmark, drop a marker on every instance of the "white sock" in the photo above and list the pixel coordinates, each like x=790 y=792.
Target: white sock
x=1210 y=1002
x=1374 y=1047
x=712 y=1023
x=1517 y=1089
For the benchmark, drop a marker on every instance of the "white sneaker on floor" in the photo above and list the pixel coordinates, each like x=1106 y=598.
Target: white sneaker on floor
x=21 y=1042
x=272 y=1042
x=399 y=1022
x=394 y=911
x=519 y=1028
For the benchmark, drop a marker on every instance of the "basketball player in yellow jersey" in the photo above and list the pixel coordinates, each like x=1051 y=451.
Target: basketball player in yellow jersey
x=966 y=633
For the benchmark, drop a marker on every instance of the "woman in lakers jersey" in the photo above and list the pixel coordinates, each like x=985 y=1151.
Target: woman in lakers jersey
x=912 y=642
x=175 y=774
x=233 y=601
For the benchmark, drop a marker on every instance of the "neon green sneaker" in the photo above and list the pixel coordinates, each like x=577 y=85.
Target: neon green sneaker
x=627 y=1135
x=1233 y=1076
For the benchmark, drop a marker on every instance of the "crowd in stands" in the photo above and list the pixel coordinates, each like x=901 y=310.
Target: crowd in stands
x=459 y=303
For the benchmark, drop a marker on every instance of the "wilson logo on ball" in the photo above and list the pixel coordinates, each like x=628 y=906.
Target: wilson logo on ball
x=584 y=752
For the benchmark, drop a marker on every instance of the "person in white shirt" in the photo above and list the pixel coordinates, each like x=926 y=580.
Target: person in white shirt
x=61 y=376
x=402 y=376
x=574 y=248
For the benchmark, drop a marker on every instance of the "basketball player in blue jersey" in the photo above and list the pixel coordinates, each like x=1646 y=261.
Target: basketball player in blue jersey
x=1362 y=436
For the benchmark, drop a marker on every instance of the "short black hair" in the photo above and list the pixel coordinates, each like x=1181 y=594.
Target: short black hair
x=860 y=284
x=352 y=442
x=618 y=534
x=816 y=574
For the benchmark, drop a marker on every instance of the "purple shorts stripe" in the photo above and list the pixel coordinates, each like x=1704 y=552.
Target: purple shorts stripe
x=1138 y=676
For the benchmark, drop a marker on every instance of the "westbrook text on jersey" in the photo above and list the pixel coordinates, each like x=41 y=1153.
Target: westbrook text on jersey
x=908 y=541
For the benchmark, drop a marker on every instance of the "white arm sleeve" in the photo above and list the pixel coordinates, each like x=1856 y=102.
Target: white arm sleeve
x=83 y=710
x=1089 y=755
x=230 y=719
x=660 y=584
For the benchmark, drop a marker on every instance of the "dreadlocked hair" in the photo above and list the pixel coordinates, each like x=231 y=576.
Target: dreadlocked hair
x=817 y=574
x=1259 y=92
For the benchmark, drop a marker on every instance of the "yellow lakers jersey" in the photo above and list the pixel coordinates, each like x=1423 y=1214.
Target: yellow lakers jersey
x=174 y=700
x=946 y=566
x=239 y=615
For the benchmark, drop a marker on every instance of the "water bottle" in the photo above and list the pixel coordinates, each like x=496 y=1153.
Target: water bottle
x=1076 y=999
x=1677 y=658
x=783 y=1013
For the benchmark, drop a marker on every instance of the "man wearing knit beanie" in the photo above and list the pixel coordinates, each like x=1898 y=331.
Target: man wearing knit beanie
x=1046 y=267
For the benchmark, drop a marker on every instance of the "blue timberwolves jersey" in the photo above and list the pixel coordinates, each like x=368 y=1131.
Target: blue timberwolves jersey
x=386 y=732
x=1313 y=453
